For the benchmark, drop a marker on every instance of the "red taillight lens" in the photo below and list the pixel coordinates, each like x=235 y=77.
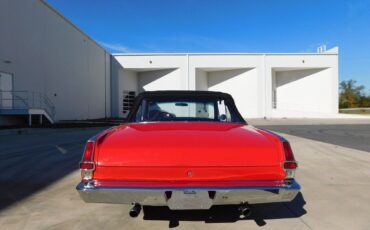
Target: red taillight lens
x=288 y=151
x=87 y=164
x=290 y=164
x=89 y=151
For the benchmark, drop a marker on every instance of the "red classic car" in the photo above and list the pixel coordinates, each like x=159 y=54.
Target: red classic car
x=187 y=150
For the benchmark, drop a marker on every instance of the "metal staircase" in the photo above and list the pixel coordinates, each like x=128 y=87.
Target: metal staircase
x=27 y=103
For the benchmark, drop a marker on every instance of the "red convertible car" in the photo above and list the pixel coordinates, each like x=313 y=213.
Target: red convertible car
x=187 y=150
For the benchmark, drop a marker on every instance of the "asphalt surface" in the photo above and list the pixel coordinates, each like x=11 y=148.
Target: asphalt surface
x=355 y=136
x=39 y=174
x=33 y=159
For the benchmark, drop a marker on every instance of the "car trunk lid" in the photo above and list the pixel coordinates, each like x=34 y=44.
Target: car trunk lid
x=188 y=150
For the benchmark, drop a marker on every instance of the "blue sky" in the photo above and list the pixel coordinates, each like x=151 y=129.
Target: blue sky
x=230 y=26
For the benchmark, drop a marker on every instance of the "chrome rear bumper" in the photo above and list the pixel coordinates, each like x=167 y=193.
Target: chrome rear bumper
x=187 y=197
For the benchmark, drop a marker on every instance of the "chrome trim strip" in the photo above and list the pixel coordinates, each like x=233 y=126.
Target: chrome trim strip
x=282 y=139
x=292 y=185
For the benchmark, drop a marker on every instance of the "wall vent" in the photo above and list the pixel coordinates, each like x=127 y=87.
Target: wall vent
x=128 y=101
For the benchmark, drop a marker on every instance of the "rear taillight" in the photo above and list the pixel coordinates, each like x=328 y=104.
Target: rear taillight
x=289 y=164
x=87 y=164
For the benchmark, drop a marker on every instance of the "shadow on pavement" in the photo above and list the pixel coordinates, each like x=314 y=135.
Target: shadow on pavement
x=228 y=213
x=354 y=136
x=30 y=162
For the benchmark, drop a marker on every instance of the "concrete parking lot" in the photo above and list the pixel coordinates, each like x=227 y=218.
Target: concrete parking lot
x=39 y=174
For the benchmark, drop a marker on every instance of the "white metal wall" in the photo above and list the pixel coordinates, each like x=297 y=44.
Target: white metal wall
x=300 y=91
x=47 y=54
x=242 y=84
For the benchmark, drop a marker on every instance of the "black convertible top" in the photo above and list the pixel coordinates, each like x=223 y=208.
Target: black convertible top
x=182 y=94
x=186 y=93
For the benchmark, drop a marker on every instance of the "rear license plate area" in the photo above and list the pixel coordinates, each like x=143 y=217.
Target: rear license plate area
x=189 y=199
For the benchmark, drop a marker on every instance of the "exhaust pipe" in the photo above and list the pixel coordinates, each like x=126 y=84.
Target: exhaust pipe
x=244 y=211
x=135 y=211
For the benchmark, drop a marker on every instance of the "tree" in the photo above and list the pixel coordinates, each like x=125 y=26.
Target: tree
x=365 y=101
x=351 y=95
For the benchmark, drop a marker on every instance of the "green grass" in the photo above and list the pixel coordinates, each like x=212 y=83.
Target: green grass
x=358 y=112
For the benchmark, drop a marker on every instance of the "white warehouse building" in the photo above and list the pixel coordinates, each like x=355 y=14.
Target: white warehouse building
x=51 y=70
x=262 y=85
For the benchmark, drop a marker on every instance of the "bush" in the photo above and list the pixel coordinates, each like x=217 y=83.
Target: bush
x=352 y=96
